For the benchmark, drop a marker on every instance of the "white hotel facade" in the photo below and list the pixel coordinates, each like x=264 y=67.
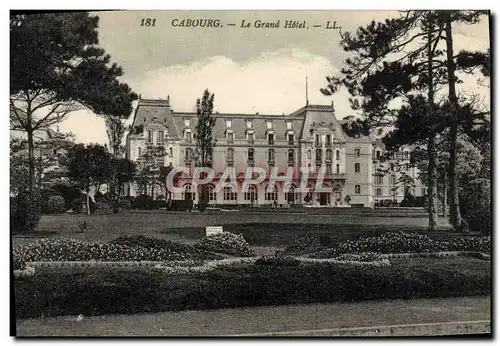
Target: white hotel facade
x=310 y=137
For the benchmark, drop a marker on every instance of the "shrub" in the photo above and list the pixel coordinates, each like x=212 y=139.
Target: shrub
x=181 y=205
x=308 y=243
x=75 y=250
x=144 y=202
x=56 y=205
x=277 y=261
x=76 y=205
x=162 y=244
x=226 y=242
x=27 y=211
x=401 y=242
x=125 y=204
x=102 y=207
x=475 y=205
x=18 y=264
x=68 y=192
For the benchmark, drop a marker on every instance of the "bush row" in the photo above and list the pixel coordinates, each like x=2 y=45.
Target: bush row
x=121 y=249
x=401 y=242
x=119 y=291
x=227 y=243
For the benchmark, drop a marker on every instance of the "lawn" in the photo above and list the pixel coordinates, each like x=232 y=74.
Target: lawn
x=264 y=230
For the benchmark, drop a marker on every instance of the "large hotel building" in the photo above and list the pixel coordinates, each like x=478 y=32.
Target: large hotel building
x=310 y=137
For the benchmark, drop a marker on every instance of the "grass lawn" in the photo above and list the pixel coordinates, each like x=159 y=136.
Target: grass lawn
x=265 y=230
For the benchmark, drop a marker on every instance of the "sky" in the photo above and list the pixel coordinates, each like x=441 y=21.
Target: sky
x=249 y=69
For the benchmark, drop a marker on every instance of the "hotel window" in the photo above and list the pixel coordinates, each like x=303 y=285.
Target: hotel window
x=229 y=194
x=271 y=193
x=249 y=124
x=288 y=125
x=407 y=155
x=139 y=151
x=230 y=155
x=270 y=156
x=319 y=155
x=338 y=168
x=337 y=154
x=357 y=168
x=189 y=137
x=250 y=137
x=187 y=122
x=291 y=155
x=407 y=166
x=228 y=123
x=318 y=167
x=251 y=194
x=160 y=137
x=269 y=125
x=424 y=191
x=328 y=169
x=329 y=154
x=379 y=179
x=149 y=138
x=378 y=154
x=309 y=154
x=357 y=189
x=188 y=154
x=393 y=179
x=328 y=140
x=270 y=138
x=379 y=192
x=318 y=140
x=251 y=155
x=290 y=138
x=356 y=152
x=212 y=196
x=171 y=151
x=230 y=137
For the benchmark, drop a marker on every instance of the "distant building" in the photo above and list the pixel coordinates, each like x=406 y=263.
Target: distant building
x=310 y=137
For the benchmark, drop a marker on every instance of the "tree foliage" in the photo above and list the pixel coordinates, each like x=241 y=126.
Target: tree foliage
x=205 y=140
x=57 y=67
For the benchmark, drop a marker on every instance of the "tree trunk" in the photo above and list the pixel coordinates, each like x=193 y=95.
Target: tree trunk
x=445 y=197
x=88 y=201
x=455 y=217
x=432 y=183
x=31 y=159
x=431 y=145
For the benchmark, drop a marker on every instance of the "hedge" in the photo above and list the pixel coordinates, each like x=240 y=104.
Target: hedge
x=120 y=291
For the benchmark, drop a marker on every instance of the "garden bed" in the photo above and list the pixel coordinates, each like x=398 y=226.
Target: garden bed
x=97 y=291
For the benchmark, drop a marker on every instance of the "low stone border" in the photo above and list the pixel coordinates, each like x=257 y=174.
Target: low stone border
x=28 y=271
x=188 y=266
x=442 y=254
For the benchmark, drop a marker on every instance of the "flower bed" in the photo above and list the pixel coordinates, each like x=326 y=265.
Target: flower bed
x=401 y=242
x=76 y=250
x=227 y=243
x=131 y=291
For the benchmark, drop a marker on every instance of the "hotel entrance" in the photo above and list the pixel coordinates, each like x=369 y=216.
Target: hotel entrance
x=324 y=198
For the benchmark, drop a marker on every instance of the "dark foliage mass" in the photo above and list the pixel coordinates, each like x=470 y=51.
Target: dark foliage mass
x=97 y=292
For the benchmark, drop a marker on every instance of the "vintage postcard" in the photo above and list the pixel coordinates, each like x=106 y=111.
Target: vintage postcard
x=250 y=173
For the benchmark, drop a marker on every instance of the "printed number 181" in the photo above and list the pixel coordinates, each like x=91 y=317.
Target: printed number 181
x=148 y=21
